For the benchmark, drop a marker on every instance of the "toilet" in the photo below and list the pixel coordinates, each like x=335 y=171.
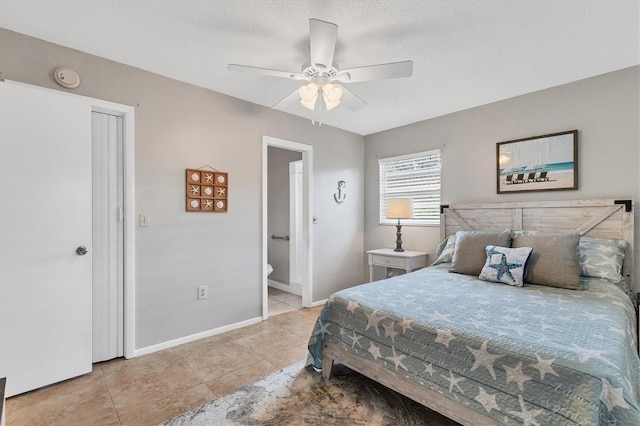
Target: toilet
x=269 y=269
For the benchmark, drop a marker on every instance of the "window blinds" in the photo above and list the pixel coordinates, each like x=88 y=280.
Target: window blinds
x=415 y=176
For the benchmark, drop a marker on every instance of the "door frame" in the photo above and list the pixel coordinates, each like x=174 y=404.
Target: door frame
x=129 y=241
x=307 y=207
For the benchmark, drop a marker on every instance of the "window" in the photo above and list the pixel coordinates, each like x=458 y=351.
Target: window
x=415 y=176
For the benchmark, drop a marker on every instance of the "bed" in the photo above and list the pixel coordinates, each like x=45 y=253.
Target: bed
x=482 y=352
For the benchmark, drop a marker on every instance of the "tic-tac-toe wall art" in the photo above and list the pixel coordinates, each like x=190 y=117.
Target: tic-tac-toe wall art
x=207 y=190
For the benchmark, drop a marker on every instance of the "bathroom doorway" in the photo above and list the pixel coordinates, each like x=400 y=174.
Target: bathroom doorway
x=286 y=226
x=284 y=217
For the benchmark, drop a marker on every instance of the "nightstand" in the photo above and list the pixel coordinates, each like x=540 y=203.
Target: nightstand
x=387 y=258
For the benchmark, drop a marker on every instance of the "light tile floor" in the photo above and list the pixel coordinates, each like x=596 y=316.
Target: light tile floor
x=151 y=388
x=281 y=301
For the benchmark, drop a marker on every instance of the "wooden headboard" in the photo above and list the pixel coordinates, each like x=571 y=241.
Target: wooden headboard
x=611 y=219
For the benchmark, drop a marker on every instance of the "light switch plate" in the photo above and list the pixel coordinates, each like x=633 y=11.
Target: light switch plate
x=143 y=220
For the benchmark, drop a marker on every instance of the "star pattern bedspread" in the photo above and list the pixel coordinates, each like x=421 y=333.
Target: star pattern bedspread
x=522 y=355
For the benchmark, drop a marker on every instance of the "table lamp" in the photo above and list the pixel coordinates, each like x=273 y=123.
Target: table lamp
x=399 y=208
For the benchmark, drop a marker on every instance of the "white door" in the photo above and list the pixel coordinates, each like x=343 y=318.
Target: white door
x=45 y=217
x=296 y=243
x=108 y=233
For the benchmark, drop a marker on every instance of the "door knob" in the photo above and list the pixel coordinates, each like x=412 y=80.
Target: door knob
x=81 y=251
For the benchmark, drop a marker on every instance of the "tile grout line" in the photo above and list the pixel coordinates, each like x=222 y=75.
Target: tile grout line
x=104 y=381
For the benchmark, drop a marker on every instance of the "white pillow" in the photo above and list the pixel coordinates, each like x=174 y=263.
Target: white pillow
x=505 y=265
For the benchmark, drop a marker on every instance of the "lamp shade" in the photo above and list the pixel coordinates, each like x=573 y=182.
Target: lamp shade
x=399 y=208
x=331 y=94
x=308 y=95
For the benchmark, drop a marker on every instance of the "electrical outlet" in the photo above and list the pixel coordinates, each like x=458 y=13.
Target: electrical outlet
x=202 y=292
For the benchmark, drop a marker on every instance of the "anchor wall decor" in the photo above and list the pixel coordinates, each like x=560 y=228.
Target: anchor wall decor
x=340 y=195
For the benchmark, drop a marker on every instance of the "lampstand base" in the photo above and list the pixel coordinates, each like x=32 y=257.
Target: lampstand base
x=398 y=238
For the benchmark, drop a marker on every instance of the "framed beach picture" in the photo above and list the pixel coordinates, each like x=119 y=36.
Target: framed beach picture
x=538 y=163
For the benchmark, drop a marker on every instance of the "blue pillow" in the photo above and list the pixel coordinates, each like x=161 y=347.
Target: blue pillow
x=600 y=258
x=445 y=250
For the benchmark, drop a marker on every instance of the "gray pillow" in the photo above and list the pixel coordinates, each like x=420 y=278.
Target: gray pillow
x=469 y=255
x=553 y=262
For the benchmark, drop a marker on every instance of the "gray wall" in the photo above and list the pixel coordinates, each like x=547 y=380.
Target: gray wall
x=278 y=210
x=179 y=126
x=605 y=109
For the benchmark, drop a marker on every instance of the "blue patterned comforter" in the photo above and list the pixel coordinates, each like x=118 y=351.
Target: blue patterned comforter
x=522 y=355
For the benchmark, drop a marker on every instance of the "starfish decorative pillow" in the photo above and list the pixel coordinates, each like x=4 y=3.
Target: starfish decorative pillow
x=505 y=265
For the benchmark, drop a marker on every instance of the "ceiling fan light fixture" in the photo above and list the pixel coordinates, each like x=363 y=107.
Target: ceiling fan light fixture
x=309 y=95
x=321 y=71
x=308 y=92
x=331 y=95
x=309 y=104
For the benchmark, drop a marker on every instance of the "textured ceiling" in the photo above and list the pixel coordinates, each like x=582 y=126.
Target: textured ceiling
x=465 y=53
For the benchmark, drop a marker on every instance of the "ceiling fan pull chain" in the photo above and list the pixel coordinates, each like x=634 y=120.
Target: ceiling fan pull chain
x=317 y=109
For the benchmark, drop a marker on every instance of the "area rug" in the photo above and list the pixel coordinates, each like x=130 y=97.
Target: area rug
x=297 y=395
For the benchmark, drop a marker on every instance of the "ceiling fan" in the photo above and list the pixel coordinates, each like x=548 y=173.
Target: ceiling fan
x=323 y=75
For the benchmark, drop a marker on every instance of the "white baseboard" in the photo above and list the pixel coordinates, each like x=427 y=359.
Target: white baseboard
x=186 y=339
x=192 y=337
x=289 y=288
x=319 y=303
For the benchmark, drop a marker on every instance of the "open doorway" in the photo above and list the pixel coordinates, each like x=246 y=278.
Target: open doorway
x=285 y=248
x=286 y=207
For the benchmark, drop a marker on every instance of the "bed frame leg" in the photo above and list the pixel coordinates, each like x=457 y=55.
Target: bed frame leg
x=327 y=366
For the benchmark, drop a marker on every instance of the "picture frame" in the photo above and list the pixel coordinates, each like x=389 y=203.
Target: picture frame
x=207 y=191
x=538 y=163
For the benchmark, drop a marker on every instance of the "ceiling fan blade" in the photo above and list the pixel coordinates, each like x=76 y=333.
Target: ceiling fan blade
x=322 y=42
x=266 y=71
x=377 y=72
x=291 y=99
x=351 y=100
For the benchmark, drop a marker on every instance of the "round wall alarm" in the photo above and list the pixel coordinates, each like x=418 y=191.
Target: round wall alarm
x=66 y=77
